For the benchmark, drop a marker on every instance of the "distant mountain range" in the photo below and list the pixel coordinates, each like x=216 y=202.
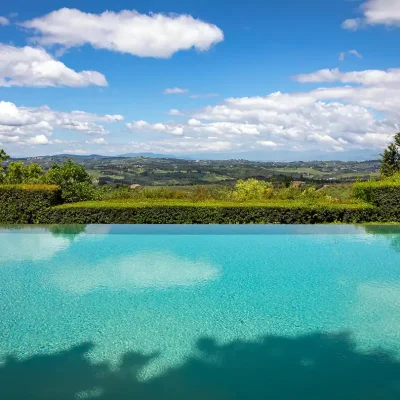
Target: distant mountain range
x=150 y=155
x=261 y=157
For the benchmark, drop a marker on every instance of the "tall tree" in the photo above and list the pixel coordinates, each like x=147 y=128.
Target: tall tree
x=3 y=157
x=390 y=158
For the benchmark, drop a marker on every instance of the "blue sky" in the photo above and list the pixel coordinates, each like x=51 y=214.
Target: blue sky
x=257 y=80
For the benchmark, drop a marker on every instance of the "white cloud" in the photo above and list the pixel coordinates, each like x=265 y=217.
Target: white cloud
x=40 y=122
x=175 y=90
x=194 y=126
x=4 y=21
x=376 y=12
x=96 y=141
x=9 y=139
x=175 y=112
x=343 y=54
x=368 y=77
x=28 y=66
x=173 y=129
x=365 y=116
x=153 y=35
x=352 y=24
x=38 y=139
x=267 y=143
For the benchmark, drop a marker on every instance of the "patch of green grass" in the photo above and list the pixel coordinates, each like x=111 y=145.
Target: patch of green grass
x=132 y=203
x=341 y=191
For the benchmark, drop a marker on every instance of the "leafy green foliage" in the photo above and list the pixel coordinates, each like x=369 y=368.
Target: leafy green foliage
x=208 y=212
x=384 y=194
x=3 y=157
x=390 y=158
x=252 y=189
x=75 y=183
x=18 y=173
x=26 y=204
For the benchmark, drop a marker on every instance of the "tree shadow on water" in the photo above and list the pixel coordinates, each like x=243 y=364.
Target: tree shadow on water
x=317 y=366
x=392 y=232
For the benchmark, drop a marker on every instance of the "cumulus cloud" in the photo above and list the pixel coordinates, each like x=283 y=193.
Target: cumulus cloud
x=28 y=66
x=96 y=141
x=343 y=54
x=4 y=21
x=267 y=143
x=40 y=122
x=175 y=112
x=38 y=139
x=194 y=126
x=375 y=12
x=175 y=90
x=127 y=31
x=172 y=129
x=363 y=116
x=368 y=77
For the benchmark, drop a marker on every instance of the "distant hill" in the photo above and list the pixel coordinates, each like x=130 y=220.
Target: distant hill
x=149 y=155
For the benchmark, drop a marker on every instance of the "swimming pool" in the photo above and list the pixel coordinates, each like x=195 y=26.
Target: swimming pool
x=200 y=312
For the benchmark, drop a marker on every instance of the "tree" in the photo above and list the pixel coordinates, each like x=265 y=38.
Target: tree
x=390 y=159
x=3 y=157
x=18 y=173
x=15 y=173
x=75 y=183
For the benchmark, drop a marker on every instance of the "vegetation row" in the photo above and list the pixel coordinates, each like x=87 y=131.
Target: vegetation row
x=66 y=194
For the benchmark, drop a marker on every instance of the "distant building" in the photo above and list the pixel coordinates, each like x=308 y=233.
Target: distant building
x=298 y=183
x=135 y=186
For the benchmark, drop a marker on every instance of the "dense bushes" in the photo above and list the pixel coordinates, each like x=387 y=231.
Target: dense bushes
x=26 y=204
x=75 y=182
x=243 y=191
x=183 y=212
x=383 y=194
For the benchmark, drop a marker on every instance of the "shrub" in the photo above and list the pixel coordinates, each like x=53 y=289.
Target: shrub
x=184 y=212
x=26 y=204
x=383 y=194
x=252 y=189
x=75 y=183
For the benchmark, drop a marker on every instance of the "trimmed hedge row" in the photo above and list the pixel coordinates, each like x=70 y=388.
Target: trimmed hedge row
x=27 y=204
x=382 y=194
x=124 y=213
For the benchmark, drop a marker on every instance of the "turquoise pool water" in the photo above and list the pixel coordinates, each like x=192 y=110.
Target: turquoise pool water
x=200 y=312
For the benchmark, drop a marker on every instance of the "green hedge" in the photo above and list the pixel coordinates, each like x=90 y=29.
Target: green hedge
x=180 y=212
x=26 y=204
x=383 y=194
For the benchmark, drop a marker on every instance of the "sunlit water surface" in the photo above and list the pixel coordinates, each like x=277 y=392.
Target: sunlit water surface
x=174 y=294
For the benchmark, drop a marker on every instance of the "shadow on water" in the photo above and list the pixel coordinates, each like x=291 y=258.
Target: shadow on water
x=67 y=231
x=317 y=366
x=392 y=232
